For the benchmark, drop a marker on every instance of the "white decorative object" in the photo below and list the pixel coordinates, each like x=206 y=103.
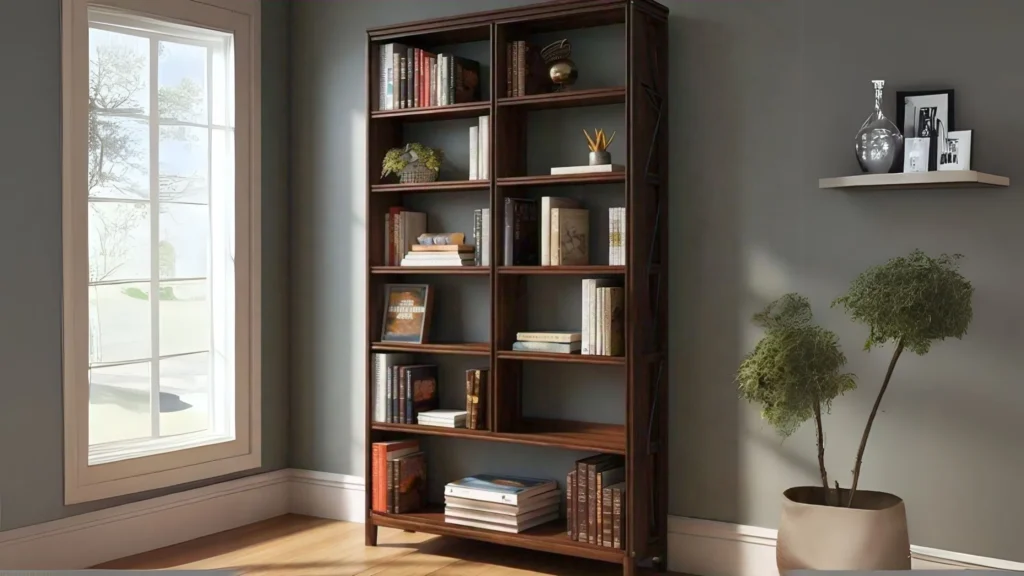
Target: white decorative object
x=915 y=154
x=955 y=151
x=599 y=169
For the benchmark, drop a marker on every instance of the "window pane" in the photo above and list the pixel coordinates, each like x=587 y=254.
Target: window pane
x=184 y=317
x=184 y=241
x=119 y=241
x=118 y=73
x=184 y=394
x=184 y=164
x=119 y=403
x=181 y=75
x=118 y=157
x=119 y=323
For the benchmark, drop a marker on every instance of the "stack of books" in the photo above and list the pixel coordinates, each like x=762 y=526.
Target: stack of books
x=399 y=476
x=439 y=255
x=553 y=342
x=442 y=418
x=415 y=78
x=476 y=399
x=401 y=229
x=501 y=503
x=603 y=318
x=401 y=391
x=595 y=507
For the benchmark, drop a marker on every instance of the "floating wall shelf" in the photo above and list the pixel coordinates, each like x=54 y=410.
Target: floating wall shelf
x=911 y=180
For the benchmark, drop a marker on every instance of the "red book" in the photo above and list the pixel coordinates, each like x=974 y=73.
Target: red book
x=382 y=453
x=421 y=78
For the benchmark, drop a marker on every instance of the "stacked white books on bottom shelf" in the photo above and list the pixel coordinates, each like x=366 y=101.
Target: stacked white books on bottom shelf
x=501 y=503
x=443 y=418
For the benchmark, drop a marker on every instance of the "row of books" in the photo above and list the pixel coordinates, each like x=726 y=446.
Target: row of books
x=603 y=318
x=477 y=384
x=551 y=342
x=480 y=149
x=401 y=229
x=595 y=507
x=399 y=470
x=525 y=70
x=482 y=237
x=402 y=390
x=413 y=78
x=501 y=503
x=556 y=233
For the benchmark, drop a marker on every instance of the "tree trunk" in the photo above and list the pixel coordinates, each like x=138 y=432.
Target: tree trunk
x=829 y=499
x=871 y=419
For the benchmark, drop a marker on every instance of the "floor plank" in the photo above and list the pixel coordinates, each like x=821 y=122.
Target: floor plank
x=295 y=545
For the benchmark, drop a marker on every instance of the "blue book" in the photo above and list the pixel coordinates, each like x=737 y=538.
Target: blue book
x=501 y=489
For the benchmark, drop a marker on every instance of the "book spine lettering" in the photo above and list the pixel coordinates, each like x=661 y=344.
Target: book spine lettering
x=591 y=503
x=581 y=501
x=606 y=518
x=390 y=487
x=570 y=492
x=388 y=407
x=453 y=75
x=397 y=483
x=433 y=81
x=415 y=78
x=382 y=78
x=477 y=401
x=617 y=539
x=378 y=388
x=477 y=239
x=555 y=247
x=394 y=395
x=598 y=517
x=375 y=462
x=508 y=70
x=403 y=82
x=521 y=63
x=469 y=397
x=410 y=69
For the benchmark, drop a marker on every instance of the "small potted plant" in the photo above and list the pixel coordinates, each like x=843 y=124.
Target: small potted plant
x=414 y=164
x=795 y=372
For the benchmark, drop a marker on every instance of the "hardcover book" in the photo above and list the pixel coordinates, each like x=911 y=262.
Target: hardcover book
x=570 y=500
x=421 y=390
x=382 y=364
x=501 y=527
x=547 y=203
x=549 y=336
x=518 y=521
x=551 y=498
x=411 y=483
x=618 y=510
x=570 y=237
x=521 y=228
x=383 y=453
x=605 y=478
x=594 y=469
x=551 y=347
x=476 y=399
x=407 y=309
x=502 y=489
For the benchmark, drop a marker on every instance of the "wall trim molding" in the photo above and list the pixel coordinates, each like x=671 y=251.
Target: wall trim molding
x=695 y=546
x=710 y=548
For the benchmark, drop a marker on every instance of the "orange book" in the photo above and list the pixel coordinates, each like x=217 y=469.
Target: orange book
x=381 y=453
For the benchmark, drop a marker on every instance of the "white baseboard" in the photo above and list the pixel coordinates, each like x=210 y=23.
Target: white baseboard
x=699 y=547
x=326 y=495
x=95 y=537
x=709 y=548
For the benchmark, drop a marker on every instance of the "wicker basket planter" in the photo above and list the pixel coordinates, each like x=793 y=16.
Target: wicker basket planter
x=417 y=173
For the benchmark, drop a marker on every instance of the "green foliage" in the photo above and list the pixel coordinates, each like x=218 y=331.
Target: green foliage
x=916 y=299
x=795 y=367
x=397 y=159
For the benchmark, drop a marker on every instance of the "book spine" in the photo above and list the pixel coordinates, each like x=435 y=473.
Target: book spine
x=396 y=402
x=547 y=337
x=403 y=82
x=485 y=254
x=515 y=68
x=377 y=475
x=389 y=391
x=581 y=501
x=585 y=318
x=477 y=239
x=421 y=78
x=469 y=396
x=397 y=483
x=474 y=153
x=510 y=206
x=482 y=495
x=616 y=346
x=592 y=317
x=508 y=70
x=477 y=401
x=606 y=517
x=415 y=69
x=484 y=147
x=390 y=487
x=592 y=503
x=410 y=75
x=433 y=81
x=453 y=75
x=617 y=536
x=622 y=236
x=601 y=294
x=570 y=492
x=598 y=519
x=387 y=239
x=407 y=399
x=555 y=247
x=378 y=388
x=483 y=393
x=611 y=236
x=382 y=78
x=552 y=347
x=521 y=63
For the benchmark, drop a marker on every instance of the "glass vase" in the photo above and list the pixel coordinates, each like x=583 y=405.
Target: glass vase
x=879 y=142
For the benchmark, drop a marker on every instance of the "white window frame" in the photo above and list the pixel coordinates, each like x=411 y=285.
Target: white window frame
x=84 y=482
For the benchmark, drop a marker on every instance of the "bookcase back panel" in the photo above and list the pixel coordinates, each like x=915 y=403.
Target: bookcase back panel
x=448 y=211
x=555 y=137
x=461 y=308
x=452 y=137
x=574 y=392
x=599 y=54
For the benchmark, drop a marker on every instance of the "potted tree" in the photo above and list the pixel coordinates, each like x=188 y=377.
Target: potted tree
x=795 y=373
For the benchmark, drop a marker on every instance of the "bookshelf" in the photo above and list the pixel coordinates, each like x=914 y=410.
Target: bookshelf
x=640 y=97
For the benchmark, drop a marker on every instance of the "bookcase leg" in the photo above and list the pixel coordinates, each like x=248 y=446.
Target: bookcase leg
x=628 y=567
x=371 y=534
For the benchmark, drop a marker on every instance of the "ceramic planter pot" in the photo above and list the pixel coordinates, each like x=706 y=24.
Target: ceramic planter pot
x=870 y=536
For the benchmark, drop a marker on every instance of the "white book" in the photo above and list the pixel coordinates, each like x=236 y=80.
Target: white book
x=528 y=505
x=485 y=253
x=434 y=263
x=612 y=225
x=474 y=153
x=499 y=488
x=601 y=292
x=443 y=413
x=518 y=520
x=460 y=424
x=589 y=319
x=381 y=364
x=548 y=203
x=499 y=527
x=439 y=255
x=549 y=336
x=599 y=169
x=484 y=133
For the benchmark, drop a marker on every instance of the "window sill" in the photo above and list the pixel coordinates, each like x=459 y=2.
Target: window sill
x=128 y=449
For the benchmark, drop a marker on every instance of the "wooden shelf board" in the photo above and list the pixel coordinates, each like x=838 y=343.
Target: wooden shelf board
x=422 y=114
x=468 y=349
x=567 y=358
x=567 y=99
x=567 y=434
x=454 y=270
x=561 y=270
x=917 y=180
x=550 y=537
x=445 y=186
x=564 y=180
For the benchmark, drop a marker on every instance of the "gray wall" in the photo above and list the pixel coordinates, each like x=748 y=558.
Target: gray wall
x=765 y=99
x=31 y=423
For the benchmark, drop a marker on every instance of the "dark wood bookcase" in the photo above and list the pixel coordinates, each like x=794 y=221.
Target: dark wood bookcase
x=642 y=94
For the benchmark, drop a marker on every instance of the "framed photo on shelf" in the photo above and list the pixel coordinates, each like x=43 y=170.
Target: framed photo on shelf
x=926 y=114
x=407 y=309
x=956 y=151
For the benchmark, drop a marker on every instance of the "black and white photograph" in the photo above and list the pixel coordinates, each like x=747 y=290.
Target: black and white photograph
x=916 y=154
x=926 y=114
x=956 y=151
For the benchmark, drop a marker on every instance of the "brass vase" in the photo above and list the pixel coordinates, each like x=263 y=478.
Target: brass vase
x=561 y=69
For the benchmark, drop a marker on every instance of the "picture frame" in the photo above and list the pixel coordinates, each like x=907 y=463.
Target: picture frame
x=407 y=311
x=955 y=153
x=916 y=152
x=925 y=114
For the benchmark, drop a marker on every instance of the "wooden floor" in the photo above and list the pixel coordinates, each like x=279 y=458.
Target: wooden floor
x=303 y=546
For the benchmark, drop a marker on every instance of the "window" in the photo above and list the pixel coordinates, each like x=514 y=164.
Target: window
x=161 y=230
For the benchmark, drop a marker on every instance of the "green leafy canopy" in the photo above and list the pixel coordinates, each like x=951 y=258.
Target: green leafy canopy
x=915 y=299
x=795 y=367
